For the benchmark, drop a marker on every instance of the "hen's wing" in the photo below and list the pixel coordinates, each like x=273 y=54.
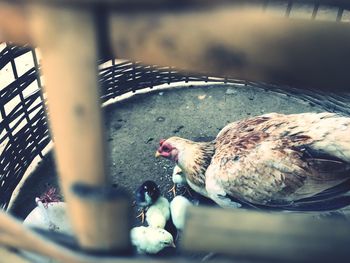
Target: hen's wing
x=268 y=169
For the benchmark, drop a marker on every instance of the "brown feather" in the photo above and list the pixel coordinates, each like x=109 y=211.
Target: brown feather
x=272 y=159
x=272 y=167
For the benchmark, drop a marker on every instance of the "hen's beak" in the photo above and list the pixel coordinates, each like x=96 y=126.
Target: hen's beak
x=157 y=154
x=173 y=245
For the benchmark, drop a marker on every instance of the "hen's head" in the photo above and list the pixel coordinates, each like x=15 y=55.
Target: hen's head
x=192 y=157
x=172 y=147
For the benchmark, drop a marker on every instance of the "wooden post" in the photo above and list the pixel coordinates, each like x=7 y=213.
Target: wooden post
x=67 y=40
x=266 y=236
x=13 y=24
x=242 y=43
x=11 y=256
x=232 y=41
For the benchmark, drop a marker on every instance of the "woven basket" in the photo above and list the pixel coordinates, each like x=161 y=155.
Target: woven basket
x=24 y=134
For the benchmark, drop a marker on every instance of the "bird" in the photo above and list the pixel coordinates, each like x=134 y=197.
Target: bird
x=297 y=162
x=51 y=216
x=150 y=240
x=50 y=213
x=146 y=194
x=178 y=207
x=179 y=179
x=148 y=197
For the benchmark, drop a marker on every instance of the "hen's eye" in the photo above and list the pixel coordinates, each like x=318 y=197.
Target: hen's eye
x=166 y=149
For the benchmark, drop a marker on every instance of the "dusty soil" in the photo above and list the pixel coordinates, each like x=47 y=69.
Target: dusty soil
x=134 y=127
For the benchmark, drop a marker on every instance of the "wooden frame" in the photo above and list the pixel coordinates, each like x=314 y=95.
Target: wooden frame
x=255 y=46
x=228 y=40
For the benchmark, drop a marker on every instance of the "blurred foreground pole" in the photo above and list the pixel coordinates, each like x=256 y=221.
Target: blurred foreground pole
x=232 y=40
x=238 y=42
x=67 y=39
x=280 y=237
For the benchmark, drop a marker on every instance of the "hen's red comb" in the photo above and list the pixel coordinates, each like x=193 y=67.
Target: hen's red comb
x=161 y=142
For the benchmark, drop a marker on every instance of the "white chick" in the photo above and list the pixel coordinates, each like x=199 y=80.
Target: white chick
x=159 y=213
x=178 y=208
x=150 y=240
x=178 y=177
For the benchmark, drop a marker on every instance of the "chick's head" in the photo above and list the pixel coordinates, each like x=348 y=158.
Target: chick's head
x=147 y=194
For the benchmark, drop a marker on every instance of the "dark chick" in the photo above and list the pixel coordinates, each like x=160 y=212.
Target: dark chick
x=156 y=206
x=147 y=194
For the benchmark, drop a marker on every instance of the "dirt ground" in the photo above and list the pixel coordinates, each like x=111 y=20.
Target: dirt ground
x=134 y=127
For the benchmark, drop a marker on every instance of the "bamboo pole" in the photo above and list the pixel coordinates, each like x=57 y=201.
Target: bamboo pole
x=266 y=236
x=14 y=234
x=13 y=24
x=239 y=42
x=245 y=235
x=234 y=41
x=11 y=256
x=142 y=4
x=67 y=39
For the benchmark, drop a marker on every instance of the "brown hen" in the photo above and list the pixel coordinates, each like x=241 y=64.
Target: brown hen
x=275 y=161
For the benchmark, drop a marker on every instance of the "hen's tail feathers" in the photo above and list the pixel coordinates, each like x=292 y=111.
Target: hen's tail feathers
x=333 y=198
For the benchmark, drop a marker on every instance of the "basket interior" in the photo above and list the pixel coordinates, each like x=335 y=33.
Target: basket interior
x=24 y=134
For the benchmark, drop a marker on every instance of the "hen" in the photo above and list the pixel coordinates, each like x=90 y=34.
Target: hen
x=274 y=161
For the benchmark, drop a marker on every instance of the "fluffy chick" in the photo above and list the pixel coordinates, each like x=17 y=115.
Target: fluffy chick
x=178 y=207
x=147 y=193
x=158 y=211
x=178 y=178
x=150 y=240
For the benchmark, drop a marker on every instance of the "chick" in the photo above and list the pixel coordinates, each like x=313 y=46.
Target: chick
x=150 y=240
x=178 y=208
x=148 y=197
x=178 y=178
x=147 y=194
x=50 y=213
x=51 y=216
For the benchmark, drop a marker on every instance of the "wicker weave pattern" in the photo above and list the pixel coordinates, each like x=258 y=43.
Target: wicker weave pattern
x=24 y=130
x=23 y=125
